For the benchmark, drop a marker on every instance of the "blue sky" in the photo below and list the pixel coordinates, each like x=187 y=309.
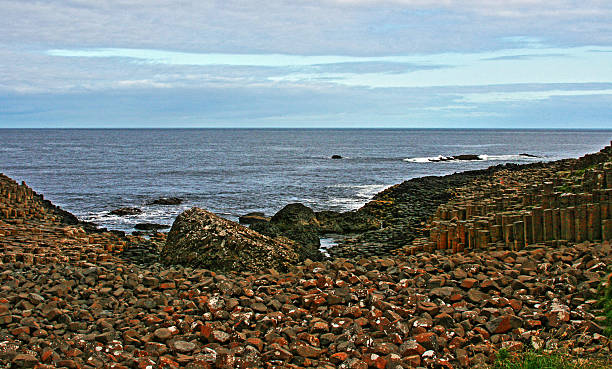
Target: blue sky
x=327 y=63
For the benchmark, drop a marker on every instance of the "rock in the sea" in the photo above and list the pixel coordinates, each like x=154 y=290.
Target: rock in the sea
x=528 y=155
x=150 y=226
x=125 y=211
x=336 y=157
x=466 y=157
x=254 y=217
x=458 y=157
x=200 y=238
x=167 y=201
x=295 y=214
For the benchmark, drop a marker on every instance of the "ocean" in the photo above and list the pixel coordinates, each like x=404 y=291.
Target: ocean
x=231 y=172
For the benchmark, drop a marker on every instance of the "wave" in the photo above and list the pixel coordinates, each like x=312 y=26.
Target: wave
x=356 y=196
x=481 y=157
x=126 y=223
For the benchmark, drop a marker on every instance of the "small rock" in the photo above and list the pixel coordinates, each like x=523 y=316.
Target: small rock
x=25 y=361
x=162 y=334
x=184 y=346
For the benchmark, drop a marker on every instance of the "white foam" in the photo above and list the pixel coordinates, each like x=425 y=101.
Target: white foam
x=327 y=243
x=482 y=157
x=361 y=195
x=425 y=159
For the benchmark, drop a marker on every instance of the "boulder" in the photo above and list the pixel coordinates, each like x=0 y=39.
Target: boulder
x=295 y=214
x=298 y=223
x=167 y=201
x=125 y=211
x=199 y=238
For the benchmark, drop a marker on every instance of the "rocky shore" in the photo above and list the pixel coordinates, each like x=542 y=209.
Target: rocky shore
x=416 y=286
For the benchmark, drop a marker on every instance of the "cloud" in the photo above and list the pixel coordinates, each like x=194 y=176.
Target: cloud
x=507 y=8
x=301 y=27
x=499 y=97
x=425 y=61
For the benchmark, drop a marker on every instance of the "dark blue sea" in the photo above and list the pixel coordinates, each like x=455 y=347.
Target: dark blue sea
x=235 y=171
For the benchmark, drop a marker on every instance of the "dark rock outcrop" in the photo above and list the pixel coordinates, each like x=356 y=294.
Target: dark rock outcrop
x=458 y=157
x=202 y=239
x=125 y=211
x=167 y=201
x=254 y=217
x=466 y=157
x=150 y=226
x=346 y=223
x=298 y=223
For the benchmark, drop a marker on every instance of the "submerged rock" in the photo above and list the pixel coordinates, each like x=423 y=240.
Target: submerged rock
x=167 y=201
x=200 y=238
x=125 y=211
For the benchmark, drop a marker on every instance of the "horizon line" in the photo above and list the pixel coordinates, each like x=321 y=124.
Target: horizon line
x=313 y=128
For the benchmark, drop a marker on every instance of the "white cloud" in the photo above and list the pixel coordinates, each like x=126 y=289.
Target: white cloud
x=505 y=97
x=506 y=8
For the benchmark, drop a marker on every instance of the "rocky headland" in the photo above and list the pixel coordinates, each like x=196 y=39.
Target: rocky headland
x=436 y=272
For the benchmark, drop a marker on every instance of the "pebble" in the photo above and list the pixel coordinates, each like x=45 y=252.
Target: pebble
x=78 y=298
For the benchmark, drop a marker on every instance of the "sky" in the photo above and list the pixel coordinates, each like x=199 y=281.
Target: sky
x=298 y=63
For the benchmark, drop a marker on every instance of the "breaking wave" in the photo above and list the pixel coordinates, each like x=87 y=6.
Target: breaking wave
x=481 y=157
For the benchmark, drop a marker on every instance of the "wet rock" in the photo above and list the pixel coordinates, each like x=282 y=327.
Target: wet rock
x=167 y=201
x=125 y=211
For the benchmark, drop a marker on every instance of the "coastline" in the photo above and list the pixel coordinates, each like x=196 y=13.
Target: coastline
x=74 y=296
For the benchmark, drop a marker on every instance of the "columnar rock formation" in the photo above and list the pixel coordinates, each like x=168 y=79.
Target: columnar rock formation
x=568 y=201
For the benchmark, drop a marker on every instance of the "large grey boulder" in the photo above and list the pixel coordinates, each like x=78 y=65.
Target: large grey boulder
x=199 y=238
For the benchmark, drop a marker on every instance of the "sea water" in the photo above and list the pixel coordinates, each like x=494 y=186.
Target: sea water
x=235 y=171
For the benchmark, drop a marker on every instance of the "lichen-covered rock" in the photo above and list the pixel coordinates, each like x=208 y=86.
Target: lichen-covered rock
x=200 y=238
